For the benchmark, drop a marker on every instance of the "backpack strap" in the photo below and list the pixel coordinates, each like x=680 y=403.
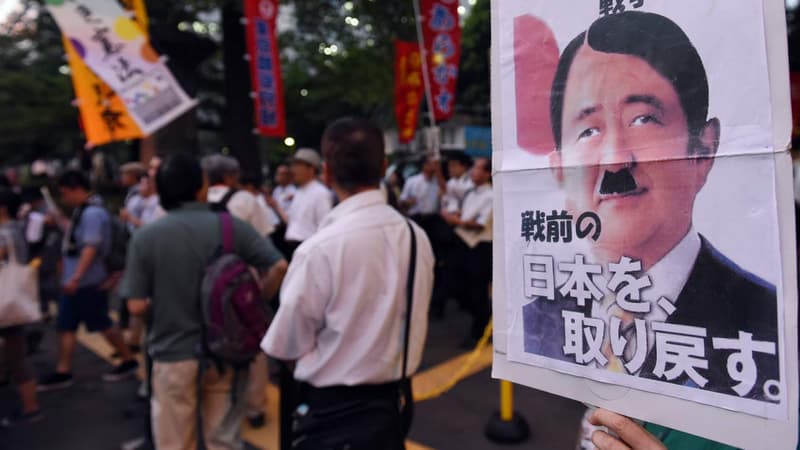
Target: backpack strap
x=226 y=228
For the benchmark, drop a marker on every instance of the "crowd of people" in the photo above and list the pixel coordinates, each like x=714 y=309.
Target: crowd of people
x=352 y=264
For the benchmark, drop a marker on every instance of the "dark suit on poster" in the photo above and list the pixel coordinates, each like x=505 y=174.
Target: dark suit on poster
x=719 y=296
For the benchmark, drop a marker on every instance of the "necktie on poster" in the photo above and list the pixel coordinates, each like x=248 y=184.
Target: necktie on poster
x=117 y=50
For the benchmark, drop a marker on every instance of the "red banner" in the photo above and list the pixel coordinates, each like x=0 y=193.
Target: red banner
x=442 y=33
x=265 y=66
x=408 y=88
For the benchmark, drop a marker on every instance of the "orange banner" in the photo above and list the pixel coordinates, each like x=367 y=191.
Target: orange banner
x=104 y=117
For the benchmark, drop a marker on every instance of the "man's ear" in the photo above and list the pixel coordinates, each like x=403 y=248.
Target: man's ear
x=708 y=139
x=556 y=163
x=707 y=145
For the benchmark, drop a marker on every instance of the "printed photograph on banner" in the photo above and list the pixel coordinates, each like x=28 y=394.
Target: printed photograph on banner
x=635 y=253
x=544 y=45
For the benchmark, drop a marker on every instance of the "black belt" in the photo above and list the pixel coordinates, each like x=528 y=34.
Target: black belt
x=336 y=394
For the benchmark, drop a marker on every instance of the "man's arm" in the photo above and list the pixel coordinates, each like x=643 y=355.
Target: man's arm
x=88 y=254
x=271 y=280
x=259 y=252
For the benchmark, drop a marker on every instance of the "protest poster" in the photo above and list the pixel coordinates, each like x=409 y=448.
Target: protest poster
x=265 y=66
x=645 y=258
x=116 y=49
x=104 y=117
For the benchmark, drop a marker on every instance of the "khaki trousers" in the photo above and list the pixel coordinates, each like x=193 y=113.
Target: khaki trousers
x=175 y=406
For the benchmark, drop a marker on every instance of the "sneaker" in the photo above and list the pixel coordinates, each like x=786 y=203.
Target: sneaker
x=55 y=381
x=122 y=372
x=257 y=420
x=20 y=418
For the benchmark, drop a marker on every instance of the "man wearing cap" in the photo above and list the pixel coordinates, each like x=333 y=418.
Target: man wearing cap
x=311 y=202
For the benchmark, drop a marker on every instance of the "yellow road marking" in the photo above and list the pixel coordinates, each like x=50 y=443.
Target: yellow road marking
x=266 y=438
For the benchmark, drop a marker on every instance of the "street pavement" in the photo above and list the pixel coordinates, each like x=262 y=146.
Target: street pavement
x=93 y=415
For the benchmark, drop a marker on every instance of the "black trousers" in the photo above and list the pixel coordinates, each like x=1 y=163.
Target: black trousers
x=442 y=238
x=366 y=417
x=469 y=276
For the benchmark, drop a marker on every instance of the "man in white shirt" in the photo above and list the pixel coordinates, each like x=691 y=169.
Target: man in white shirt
x=284 y=189
x=458 y=185
x=420 y=197
x=223 y=177
x=473 y=252
x=312 y=201
x=345 y=329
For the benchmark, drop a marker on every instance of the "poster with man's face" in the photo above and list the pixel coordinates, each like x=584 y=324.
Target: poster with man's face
x=639 y=159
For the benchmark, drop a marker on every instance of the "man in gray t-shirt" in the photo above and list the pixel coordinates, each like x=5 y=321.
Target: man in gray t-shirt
x=163 y=277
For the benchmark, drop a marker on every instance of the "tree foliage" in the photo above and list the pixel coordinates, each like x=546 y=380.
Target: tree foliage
x=473 y=82
x=35 y=98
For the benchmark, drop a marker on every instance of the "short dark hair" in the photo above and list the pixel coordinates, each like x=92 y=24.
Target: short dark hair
x=354 y=152
x=75 y=179
x=10 y=200
x=178 y=180
x=252 y=178
x=653 y=38
x=463 y=158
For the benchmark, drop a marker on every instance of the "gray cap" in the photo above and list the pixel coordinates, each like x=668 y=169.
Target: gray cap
x=308 y=156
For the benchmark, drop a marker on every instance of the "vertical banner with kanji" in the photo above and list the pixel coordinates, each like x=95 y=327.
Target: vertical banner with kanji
x=408 y=88
x=104 y=118
x=117 y=50
x=644 y=238
x=441 y=31
x=265 y=66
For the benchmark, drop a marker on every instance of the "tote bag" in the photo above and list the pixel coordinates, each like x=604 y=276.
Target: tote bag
x=19 y=290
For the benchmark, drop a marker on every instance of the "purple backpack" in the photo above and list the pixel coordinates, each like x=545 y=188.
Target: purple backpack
x=235 y=315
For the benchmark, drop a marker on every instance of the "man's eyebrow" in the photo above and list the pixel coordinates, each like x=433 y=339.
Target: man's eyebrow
x=647 y=100
x=586 y=112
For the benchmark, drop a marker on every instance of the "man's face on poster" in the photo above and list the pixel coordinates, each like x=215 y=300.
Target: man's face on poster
x=625 y=153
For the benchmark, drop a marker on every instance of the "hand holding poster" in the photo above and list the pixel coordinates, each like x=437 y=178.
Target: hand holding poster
x=646 y=261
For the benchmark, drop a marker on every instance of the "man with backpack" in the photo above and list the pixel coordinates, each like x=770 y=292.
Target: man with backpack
x=354 y=307
x=224 y=176
x=207 y=309
x=88 y=242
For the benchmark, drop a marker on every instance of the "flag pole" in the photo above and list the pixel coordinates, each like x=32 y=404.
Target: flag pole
x=424 y=57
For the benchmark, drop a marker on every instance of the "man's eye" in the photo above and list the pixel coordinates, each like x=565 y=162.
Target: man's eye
x=589 y=132
x=645 y=119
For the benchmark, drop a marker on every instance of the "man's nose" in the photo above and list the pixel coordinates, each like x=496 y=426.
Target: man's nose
x=616 y=152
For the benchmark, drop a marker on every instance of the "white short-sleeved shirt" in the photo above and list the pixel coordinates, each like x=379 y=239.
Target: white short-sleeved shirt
x=284 y=196
x=245 y=206
x=343 y=301
x=457 y=188
x=478 y=207
x=310 y=205
x=425 y=192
